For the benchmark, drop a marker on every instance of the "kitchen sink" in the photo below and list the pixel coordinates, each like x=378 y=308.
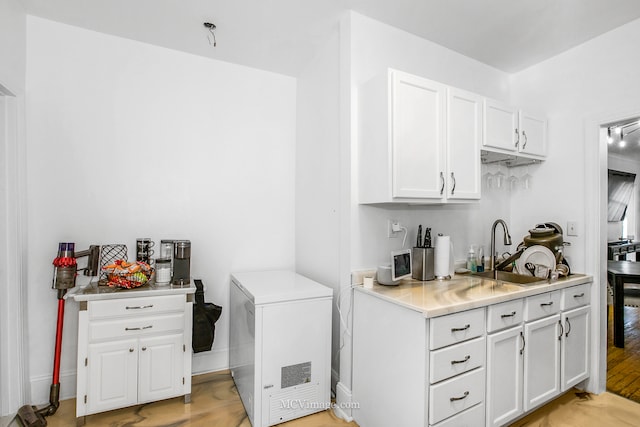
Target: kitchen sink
x=505 y=276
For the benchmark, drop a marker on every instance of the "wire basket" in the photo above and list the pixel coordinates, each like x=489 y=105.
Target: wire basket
x=108 y=255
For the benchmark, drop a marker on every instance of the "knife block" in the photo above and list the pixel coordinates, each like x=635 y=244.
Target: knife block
x=422 y=264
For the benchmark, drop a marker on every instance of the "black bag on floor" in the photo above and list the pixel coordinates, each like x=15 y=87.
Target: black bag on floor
x=205 y=316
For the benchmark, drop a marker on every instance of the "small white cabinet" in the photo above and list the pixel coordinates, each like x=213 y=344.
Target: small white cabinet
x=541 y=361
x=510 y=130
x=419 y=141
x=132 y=348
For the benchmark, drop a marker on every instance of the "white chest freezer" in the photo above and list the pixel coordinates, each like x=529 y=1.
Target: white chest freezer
x=280 y=345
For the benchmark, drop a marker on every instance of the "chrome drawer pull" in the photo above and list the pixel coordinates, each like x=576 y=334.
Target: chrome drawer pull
x=467 y=326
x=513 y=313
x=139 y=307
x=546 y=303
x=579 y=295
x=138 y=329
x=453 y=399
x=454 y=362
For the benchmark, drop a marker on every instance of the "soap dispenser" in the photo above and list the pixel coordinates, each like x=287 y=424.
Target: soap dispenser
x=471 y=260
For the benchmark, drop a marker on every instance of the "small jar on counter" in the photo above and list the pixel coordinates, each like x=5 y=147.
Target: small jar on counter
x=163 y=271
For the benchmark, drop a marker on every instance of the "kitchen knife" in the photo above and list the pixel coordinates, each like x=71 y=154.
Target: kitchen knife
x=427 y=238
x=419 y=240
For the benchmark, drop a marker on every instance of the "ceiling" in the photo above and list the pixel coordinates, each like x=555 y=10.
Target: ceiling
x=281 y=35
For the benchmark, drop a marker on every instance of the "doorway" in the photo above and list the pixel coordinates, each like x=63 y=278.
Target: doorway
x=13 y=379
x=623 y=212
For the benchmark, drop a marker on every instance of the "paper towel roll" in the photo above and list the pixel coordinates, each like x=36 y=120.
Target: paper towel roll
x=442 y=257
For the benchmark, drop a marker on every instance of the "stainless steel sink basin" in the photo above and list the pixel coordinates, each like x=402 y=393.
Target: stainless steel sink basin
x=505 y=276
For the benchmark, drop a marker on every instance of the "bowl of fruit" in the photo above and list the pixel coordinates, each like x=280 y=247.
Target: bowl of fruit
x=127 y=275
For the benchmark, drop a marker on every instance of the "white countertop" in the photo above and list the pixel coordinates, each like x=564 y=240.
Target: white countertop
x=93 y=292
x=463 y=292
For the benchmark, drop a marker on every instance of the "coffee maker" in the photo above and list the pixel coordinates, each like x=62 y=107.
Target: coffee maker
x=181 y=262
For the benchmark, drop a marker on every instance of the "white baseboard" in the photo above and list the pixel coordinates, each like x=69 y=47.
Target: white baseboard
x=210 y=361
x=344 y=402
x=41 y=385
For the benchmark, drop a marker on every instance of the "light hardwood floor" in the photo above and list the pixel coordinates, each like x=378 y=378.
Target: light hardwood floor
x=623 y=364
x=215 y=402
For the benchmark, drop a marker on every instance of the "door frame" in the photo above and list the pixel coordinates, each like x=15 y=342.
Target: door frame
x=14 y=387
x=595 y=179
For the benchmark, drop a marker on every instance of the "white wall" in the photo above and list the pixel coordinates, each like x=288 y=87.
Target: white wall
x=374 y=48
x=12 y=44
x=318 y=180
x=130 y=140
x=583 y=84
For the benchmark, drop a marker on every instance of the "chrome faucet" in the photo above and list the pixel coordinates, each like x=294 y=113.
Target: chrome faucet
x=507 y=241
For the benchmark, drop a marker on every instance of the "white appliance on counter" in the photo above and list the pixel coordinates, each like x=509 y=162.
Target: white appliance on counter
x=280 y=345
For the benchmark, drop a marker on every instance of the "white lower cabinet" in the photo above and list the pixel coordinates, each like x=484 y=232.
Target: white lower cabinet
x=132 y=351
x=482 y=367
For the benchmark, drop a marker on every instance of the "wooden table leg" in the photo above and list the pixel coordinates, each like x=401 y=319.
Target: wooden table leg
x=618 y=312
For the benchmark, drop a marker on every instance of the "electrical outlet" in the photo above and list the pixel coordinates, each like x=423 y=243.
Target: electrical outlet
x=393 y=228
x=572 y=228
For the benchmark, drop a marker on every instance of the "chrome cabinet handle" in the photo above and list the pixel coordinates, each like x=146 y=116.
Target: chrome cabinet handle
x=130 y=350
x=138 y=307
x=453 y=399
x=517 y=138
x=455 y=362
x=568 y=328
x=144 y=348
x=543 y=304
x=523 y=343
x=525 y=139
x=138 y=329
x=442 y=179
x=513 y=313
x=579 y=295
x=467 y=326
x=453 y=178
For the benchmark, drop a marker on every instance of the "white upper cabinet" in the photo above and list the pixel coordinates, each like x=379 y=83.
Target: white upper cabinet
x=509 y=130
x=417 y=137
x=464 y=140
x=419 y=141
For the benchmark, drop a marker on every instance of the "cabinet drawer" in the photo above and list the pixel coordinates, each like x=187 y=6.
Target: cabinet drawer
x=455 y=328
x=455 y=395
x=505 y=315
x=135 y=306
x=575 y=296
x=538 y=306
x=472 y=417
x=134 y=326
x=457 y=359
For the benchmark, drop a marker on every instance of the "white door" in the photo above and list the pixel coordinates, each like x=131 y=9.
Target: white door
x=417 y=135
x=463 y=136
x=500 y=126
x=504 y=376
x=113 y=375
x=161 y=372
x=541 y=361
x=575 y=347
x=533 y=134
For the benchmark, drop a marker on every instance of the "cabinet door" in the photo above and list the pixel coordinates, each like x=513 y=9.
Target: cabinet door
x=533 y=134
x=161 y=367
x=541 y=361
x=464 y=133
x=417 y=135
x=504 y=376
x=113 y=375
x=500 y=126
x=575 y=347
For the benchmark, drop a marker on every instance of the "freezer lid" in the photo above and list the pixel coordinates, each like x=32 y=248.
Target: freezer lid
x=265 y=287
